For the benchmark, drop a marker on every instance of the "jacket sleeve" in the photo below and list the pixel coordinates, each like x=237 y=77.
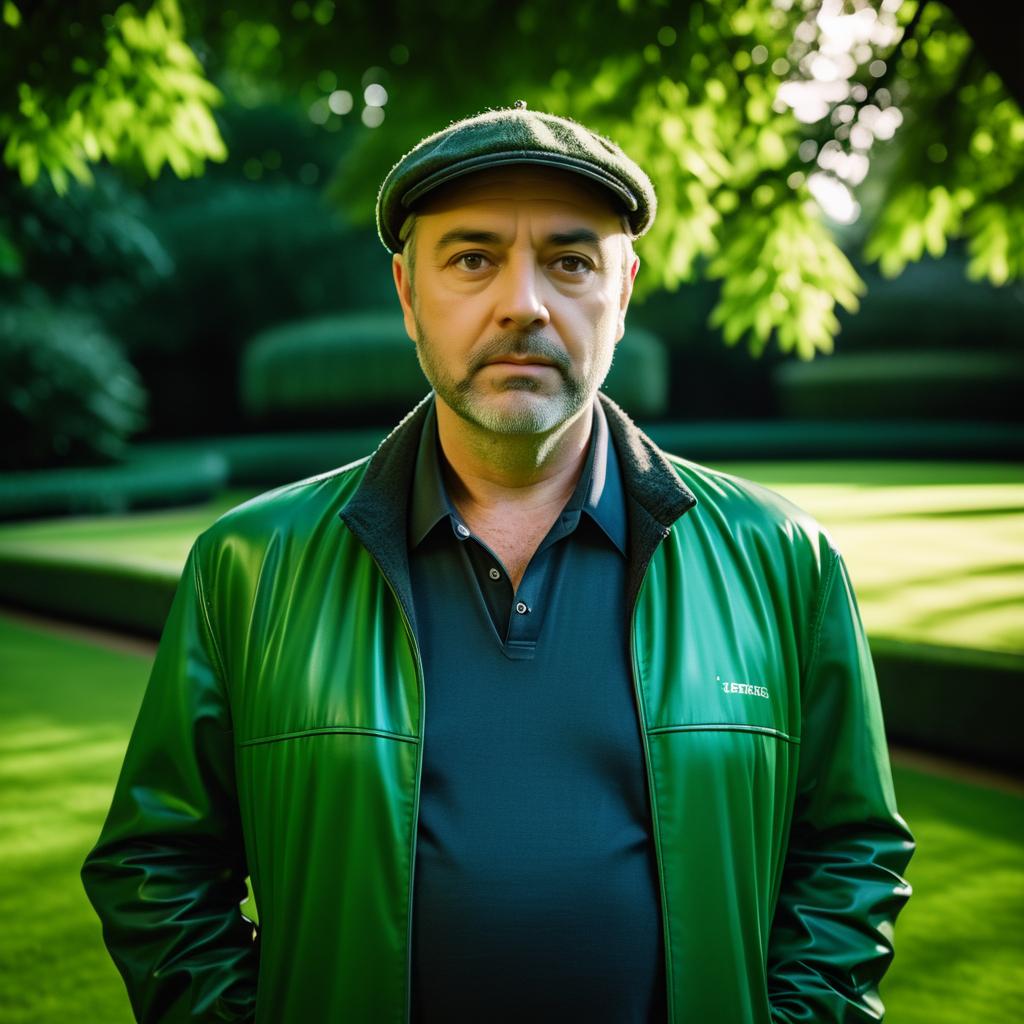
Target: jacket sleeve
x=831 y=938
x=167 y=874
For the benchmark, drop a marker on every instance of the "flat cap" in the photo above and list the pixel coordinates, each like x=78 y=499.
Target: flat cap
x=511 y=135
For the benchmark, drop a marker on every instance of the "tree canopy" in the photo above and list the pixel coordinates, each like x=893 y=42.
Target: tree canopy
x=777 y=132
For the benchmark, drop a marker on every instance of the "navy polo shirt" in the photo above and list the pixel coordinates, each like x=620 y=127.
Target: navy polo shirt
x=535 y=893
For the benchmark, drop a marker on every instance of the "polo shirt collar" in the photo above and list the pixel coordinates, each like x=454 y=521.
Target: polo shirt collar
x=599 y=490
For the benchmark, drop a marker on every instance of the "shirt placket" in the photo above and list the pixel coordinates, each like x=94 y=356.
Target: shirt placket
x=517 y=616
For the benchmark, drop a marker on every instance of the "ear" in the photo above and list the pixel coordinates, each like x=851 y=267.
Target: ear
x=627 y=292
x=400 y=272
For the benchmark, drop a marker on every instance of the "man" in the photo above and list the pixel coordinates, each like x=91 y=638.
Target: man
x=519 y=717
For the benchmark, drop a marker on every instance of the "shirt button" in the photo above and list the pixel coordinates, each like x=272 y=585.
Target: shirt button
x=494 y=574
x=462 y=530
x=521 y=608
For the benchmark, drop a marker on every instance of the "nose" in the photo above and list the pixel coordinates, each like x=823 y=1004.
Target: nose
x=520 y=300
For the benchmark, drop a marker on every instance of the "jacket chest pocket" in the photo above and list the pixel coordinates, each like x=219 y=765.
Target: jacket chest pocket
x=739 y=691
x=755 y=702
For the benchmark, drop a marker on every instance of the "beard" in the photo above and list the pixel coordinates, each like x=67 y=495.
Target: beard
x=479 y=401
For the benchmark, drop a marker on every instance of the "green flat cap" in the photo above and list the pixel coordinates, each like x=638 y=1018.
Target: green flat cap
x=511 y=135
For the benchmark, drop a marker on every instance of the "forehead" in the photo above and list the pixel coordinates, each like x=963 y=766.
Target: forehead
x=515 y=189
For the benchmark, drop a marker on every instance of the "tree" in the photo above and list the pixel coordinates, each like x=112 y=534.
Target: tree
x=758 y=119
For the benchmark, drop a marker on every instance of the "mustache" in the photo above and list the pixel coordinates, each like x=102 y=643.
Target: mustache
x=521 y=345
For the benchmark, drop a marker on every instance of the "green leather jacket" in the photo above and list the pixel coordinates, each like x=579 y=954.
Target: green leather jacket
x=280 y=737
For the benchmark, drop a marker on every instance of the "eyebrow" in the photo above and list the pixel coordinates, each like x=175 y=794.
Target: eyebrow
x=573 y=237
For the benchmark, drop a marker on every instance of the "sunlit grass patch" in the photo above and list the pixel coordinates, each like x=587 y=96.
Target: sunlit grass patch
x=66 y=709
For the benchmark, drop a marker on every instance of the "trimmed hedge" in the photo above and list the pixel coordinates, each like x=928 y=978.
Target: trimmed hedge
x=964 y=703
x=780 y=439
x=365 y=362
x=272 y=459
x=121 y=596
x=145 y=481
x=639 y=377
x=904 y=385
x=356 y=361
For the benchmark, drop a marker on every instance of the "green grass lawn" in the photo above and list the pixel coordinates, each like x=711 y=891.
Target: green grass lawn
x=66 y=708
x=936 y=550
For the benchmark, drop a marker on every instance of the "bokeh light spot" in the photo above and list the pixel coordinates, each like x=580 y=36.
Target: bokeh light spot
x=319 y=111
x=340 y=101
x=323 y=13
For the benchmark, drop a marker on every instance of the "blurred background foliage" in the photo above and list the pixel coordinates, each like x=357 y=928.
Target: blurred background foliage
x=189 y=174
x=62 y=369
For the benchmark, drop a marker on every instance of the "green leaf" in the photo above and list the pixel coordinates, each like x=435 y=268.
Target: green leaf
x=152 y=150
x=59 y=177
x=28 y=164
x=771 y=148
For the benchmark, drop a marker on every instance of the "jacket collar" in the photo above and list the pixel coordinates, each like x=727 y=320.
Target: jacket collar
x=378 y=511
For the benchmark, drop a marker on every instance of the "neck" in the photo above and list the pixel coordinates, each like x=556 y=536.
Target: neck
x=518 y=472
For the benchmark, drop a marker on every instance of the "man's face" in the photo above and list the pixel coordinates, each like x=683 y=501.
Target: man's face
x=520 y=295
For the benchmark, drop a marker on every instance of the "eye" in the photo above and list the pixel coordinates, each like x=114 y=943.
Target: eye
x=576 y=266
x=470 y=261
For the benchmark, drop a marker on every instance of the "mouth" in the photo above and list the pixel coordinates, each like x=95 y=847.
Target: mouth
x=520 y=361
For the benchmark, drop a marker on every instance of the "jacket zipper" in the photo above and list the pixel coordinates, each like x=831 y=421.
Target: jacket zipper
x=669 y=993
x=416 y=795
